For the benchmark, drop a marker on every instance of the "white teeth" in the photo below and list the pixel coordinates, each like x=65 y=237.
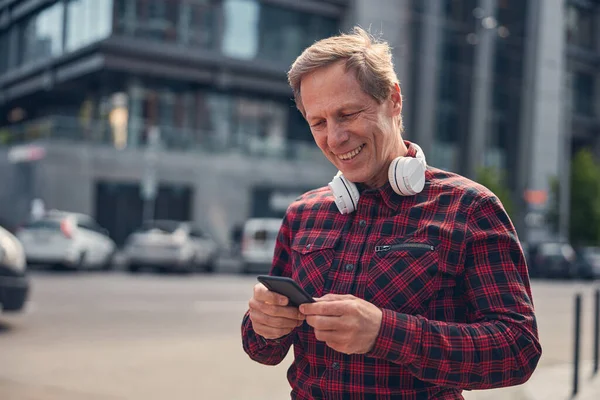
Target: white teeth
x=350 y=155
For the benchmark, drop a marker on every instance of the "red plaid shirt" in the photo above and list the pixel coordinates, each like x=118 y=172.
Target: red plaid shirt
x=447 y=270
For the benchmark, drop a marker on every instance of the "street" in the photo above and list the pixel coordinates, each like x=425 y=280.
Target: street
x=107 y=336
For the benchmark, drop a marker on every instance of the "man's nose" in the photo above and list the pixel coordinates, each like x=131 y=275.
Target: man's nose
x=336 y=136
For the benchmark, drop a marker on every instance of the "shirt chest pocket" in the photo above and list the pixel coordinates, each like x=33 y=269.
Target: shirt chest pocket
x=404 y=276
x=312 y=257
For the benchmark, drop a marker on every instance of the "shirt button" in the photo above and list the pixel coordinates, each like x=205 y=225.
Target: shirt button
x=349 y=267
x=307 y=246
x=362 y=223
x=335 y=365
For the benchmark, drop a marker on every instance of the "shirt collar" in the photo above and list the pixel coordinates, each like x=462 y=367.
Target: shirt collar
x=391 y=199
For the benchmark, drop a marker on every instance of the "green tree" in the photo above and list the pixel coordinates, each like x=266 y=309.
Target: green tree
x=584 y=226
x=4 y=136
x=584 y=207
x=494 y=180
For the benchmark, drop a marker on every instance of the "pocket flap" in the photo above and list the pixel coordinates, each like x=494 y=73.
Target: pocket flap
x=305 y=242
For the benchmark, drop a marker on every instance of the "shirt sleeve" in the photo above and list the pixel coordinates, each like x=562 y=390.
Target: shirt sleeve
x=499 y=346
x=266 y=351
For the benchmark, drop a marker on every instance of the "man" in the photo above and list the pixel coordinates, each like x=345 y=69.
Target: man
x=421 y=284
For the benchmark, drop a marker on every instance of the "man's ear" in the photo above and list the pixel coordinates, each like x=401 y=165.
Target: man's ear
x=396 y=99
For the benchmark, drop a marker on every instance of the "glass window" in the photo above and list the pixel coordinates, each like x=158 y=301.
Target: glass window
x=450 y=67
x=41 y=35
x=512 y=18
x=459 y=11
x=218 y=119
x=88 y=21
x=157 y=19
x=445 y=144
x=242 y=29
x=189 y=22
x=240 y=39
x=4 y=41
x=447 y=125
x=259 y=125
x=580 y=26
x=449 y=83
x=255 y=30
x=197 y=24
x=583 y=93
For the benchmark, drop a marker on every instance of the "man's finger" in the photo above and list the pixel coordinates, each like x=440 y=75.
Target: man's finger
x=273 y=322
x=334 y=297
x=277 y=311
x=261 y=293
x=331 y=308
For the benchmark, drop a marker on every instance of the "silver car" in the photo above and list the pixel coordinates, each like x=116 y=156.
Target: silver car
x=14 y=284
x=69 y=240
x=165 y=245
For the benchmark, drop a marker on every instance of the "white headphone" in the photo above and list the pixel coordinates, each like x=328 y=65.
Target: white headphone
x=405 y=174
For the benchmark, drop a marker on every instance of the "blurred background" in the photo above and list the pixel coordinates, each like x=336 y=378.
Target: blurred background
x=149 y=148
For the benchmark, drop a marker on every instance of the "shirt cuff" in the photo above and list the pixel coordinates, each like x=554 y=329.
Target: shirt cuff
x=264 y=342
x=399 y=338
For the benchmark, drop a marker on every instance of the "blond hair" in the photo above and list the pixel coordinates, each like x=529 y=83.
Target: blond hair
x=368 y=57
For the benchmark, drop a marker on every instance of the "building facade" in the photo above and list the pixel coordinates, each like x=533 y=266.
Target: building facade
x=155 y=108
x=180 y=108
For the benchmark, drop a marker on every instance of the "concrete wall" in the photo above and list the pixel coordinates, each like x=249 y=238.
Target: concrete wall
x=546 y=153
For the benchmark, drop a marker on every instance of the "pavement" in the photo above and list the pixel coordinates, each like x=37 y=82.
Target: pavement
x=590 y=390
x=118 y=336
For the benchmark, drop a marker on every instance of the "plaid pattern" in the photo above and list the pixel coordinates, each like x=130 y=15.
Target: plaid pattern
x=446 y=268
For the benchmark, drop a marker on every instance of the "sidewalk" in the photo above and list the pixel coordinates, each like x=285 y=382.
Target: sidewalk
x=590 y=390
x=547 y=383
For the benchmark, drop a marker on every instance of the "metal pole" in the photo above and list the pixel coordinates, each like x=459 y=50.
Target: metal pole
x=564 y=175
x=481 y=87
x=596 y=330
x=577 y=344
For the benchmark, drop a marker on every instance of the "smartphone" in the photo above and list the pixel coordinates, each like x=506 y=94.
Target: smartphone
x=287 y=287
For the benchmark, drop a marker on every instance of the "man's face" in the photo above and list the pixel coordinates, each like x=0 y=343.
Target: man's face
x=356 y=133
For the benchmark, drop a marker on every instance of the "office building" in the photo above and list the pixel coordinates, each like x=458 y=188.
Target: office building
x=181 y=109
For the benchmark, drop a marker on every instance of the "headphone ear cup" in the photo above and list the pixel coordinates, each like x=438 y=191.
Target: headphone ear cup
x=395 y=175
x=345 y=194
x=406 y=176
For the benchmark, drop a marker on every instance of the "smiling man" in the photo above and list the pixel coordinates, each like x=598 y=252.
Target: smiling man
x=420 y=281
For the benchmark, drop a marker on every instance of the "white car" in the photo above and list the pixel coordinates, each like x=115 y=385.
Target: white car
x=170 y=245
x=258 y=244
x=68 y=240
x=14 y=284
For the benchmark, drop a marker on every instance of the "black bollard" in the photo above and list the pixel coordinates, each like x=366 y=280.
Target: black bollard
x=577 y=343
x=596 y=330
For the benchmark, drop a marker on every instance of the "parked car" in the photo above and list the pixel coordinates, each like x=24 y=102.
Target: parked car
x=258 y=244
x=14 y=283
x=170 y=245
x=68 y=240
x=553 y=260
x=588 y=262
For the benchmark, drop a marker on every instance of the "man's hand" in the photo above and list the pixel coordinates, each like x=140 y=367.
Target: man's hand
x=271 y=317
x=346 y=323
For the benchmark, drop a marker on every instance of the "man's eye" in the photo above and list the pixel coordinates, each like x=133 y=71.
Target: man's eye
x=349 y=114
x=317 y=124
